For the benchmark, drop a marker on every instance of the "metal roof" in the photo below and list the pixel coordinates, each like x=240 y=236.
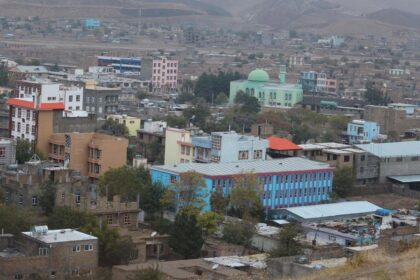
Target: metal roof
x=293 y=164
x=396 y=149
x=323 y=211
x=406 y=179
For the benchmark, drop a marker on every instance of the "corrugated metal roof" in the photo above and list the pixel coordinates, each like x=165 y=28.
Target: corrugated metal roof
x=282 y=144
x=293 y=164
x=396 y=149
x=406 y=179
x=323 y=211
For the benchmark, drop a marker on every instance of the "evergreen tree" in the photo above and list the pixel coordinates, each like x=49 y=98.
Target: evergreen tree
x=23 y=151
x=186 y=236
x=47 y=197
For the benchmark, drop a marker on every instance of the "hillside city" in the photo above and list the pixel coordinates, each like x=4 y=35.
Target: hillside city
x=197 y=140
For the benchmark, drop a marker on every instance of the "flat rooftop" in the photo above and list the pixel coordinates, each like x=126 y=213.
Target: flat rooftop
x=396 y=149
x=292 y=164
x=331 y=210
x=59 y=235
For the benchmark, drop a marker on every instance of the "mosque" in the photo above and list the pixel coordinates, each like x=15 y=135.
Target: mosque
x=270 y=93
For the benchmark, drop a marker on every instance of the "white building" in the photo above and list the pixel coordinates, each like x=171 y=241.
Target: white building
x=165 y=74
x=45 y=91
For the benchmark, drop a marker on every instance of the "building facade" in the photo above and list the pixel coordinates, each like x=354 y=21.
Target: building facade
x=180 y=148
x=165 y=74
x=325 y=85
x=222 y=147
x=269 y=93
x=90 y=153
x=101 y=101
x=121 y=65
x=132 y=123
x=43 y=254
x=359 y=131
x=283 y=183
x=7 y=151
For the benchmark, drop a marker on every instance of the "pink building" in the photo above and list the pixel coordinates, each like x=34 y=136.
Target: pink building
x=325 y=85
x=165 y=74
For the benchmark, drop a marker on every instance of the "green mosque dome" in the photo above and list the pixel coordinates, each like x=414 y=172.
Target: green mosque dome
x=258 y=75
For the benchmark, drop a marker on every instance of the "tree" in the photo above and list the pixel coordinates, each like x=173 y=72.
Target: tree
x=4 y=79
x=24 y=151
x=246 y=195
x=343 y=181
x=150 y=198
x=186 y=236
x=221 y=98
x=113 y=249
x=374 y=96
x=209 y=222
x=15 y=220
x=287 y=243
x=125 y=182
x=115 y=128
x=248 y=104
x=239 y=233
x=218 y=201
x=65 y=217
x=149 y=273
x=191 y=191
x=47 y=197
x=197 y=114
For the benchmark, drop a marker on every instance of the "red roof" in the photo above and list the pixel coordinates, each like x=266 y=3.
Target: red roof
x=30 y=105
x=282 y=144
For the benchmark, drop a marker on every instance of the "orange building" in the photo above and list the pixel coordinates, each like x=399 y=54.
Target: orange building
x=90 y=153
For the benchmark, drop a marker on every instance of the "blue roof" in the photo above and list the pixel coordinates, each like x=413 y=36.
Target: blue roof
x=396 y=149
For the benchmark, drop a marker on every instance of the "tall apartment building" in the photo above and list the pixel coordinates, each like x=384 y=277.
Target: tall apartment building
x=45 y=91
x=165 y=74
x=222 y=147
x=90 y=153
x=101 y=101
x=42 y=254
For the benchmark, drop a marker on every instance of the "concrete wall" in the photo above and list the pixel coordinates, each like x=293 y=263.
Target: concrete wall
x=395 y=167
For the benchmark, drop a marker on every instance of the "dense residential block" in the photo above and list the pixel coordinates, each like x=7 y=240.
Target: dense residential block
x=283 y=183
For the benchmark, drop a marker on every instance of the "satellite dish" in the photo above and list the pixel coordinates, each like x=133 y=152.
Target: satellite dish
x=153 y=234
x=214 y=267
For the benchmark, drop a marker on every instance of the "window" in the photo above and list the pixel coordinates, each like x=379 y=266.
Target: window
x=346 y=158
x=243 y=155
x=43 y=251
x=19 y=112
x=216 y=142
x=127 y=219
x=33 y=115
x=182 y=150
x=88 y=247
x=77 y=198
x=18 y=127
x=258 y=154
x=28 y=114
x=53 y=274
x=34 y=200
x=13 y=125
x=76 y=248
x=173 y=179
x=18 y=276
x=2 y=152
x=27 y=129
x=20 y=199
x=77 y=98
x=33 y=130
x=109 y=219
x=70 y=98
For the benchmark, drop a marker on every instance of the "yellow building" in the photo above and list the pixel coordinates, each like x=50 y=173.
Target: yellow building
x=178 y=146
x=132 y=123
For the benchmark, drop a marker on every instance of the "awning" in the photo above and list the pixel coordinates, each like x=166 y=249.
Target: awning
x=406 y=179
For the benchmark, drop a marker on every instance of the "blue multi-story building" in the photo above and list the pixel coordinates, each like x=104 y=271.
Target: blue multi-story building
x=121 y=64
x=92 y=23
x=228 y=147
x=360 y=131
x=283 y=183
